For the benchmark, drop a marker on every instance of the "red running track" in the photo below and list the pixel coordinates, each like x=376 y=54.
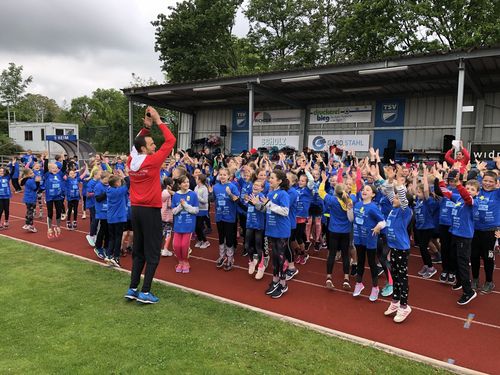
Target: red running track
x=434 y=329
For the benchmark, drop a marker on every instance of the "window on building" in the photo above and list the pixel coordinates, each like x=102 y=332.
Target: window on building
x=59 y=131
x=28 y=135
x=43 y=134
x=70 y=131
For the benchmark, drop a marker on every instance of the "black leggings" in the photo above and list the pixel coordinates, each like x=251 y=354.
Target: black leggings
x=423 y=236
x=59 y=206
x=300 y=233
x=226 y=233
x=372 y=261
x=338 y=242
x=115 y=232
x=200 y=234
x=15 y=184
x=279 y=246
x=254 y=243
x=4 y=208
x=483 y=244
x=447 y=255
x=102 y=240
x=399 y=262
x=72 y=207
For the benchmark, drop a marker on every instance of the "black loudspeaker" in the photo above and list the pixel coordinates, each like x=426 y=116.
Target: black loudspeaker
x=447 y=139
x=389 y=154
x=223 y=130
x=391 y=143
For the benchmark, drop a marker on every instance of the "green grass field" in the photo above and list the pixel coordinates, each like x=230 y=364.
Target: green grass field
x=61 y=315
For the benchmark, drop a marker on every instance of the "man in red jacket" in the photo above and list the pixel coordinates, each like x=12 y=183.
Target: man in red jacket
x=144 y=165
x=462 y=156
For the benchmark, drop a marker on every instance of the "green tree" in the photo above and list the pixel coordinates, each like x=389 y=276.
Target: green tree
x=37 y=108
x=195 y=40
x=12 y=86
x=285 y=32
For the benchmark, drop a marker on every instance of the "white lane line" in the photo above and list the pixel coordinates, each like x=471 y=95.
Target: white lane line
x=321 y=329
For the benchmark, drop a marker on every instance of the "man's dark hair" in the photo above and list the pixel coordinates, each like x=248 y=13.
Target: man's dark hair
x=139 y=141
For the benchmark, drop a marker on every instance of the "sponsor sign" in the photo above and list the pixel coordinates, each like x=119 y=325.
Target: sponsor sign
x=353 y=142
x=333 y=115
x=278 y=141
x=68 y=137
x=278 y=117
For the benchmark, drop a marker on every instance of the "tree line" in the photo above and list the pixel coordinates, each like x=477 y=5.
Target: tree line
x=195 y=39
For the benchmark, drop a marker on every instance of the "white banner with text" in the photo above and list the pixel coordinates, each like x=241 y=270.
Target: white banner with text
x=348 y=142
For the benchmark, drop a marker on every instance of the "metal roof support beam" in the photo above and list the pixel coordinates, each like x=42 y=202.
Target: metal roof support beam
x=276 y=96
x=155 y=103
x=130 y=125
x=250 y=115
x=473 y=81
x=460 y=99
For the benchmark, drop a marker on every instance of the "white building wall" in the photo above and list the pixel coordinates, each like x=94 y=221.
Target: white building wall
x=17 y=133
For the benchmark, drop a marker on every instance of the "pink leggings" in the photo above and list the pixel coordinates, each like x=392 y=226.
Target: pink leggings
x=181 y=245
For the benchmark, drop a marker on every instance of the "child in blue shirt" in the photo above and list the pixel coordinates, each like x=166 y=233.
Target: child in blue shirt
x=101 y=215
x=38 y=171
x=185 y=207
x=226 y=194
x=95 y=176
x=254 y=237
x=72 y=192
x=116 y=196
x=54 y=195
x=5 y=195
x=304 y=199
x=31 y=185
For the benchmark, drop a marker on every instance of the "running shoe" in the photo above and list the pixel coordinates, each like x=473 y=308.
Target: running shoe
x=307 y=245
x=244 y=253
x=488 y=287
x=228 y=266
x=456 y=286
x=2 y=227
x=99 y=253
x=198 y=244
x=393 y=307
x=374 y=294
x=68 y=225
x=354 y=269
x=402 y=314
x=260 y=272
x=346 y=285
x=204 y=245
x=474 y=284
x=25 y=226
x=317 y=246
x=115 y=262
x=131 y=294
x=430 y=272
x=74 y=225
x=466 y=298
x=251 y=266
x=304 y=259
x=186 y=268
x=90 y=240
x=5 y=224
x=298 y=259
x=358 y=288
x=220 y=261
x=329 y=283
x=272 y=287
x=32 y=229
x=50 y=234
x=290 y=273
x=166 y=253
x=451 y=278
x=178 y=268
x=422 y=271
x=387 y=290
x=443 y=277
x=277 y=292
x=57 y=231
x=324 y=245
x=84 y=215
x=147 y=298
x=338 y=254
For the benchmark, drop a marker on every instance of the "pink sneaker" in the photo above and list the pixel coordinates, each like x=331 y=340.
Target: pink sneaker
x=402 y=314
x=178 y=268
x=358 y=289
x=186 y=267
x=393 y=307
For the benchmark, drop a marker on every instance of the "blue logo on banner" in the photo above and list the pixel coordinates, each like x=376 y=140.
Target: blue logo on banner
x=390 y=112
x=318 y=143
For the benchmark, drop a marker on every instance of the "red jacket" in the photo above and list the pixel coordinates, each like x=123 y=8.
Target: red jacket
x=144 y=171
x=464 y=161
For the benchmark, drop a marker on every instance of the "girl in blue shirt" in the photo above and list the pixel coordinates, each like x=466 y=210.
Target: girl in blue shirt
x=54 y=196
x=38 y=171
x=368 y=222
x=254 y=237
x=31 y=185
x=72 y=192
x=398 y=241
x=116 y=196
x=278 y=228
x=14 y=172
x=293 y=246
x=225 y=194
x=5 y=195
x=185 y=207
x=101 y=215
x=95 y=176
x=304 y=199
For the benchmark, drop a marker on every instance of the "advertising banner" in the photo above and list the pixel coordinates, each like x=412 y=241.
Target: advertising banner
x=278 y=141
x=333 y=115
x=278 y=117
x=354 y=142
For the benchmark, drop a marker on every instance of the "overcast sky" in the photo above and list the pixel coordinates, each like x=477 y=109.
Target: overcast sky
x=73 y=47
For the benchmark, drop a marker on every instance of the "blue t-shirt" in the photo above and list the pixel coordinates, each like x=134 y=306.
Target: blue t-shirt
x=462 y=217
x=256 y=219
x=91 y=193
x=339 y=223
x=424 y=213
x=72 y=189
x=225 y=207
x=445 y=207
x=397 y=228
x=293 y=195
x=54 y=186
x=30 y=190
x=304 y=199
x=116 y=198
x=184 y=222
x=101 y=208
x=278 y=226
x=14 y=169
x=245 y=188
x=487 y=213
x=5 y=192
x=366 y=217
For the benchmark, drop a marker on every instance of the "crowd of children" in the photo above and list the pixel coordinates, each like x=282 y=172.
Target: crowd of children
x=279 y=209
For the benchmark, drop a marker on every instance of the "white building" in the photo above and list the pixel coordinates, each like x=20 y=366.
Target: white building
x=31 y=136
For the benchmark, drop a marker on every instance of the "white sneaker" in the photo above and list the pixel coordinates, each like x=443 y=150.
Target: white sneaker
x=393 y=307
x=251 y=266
x=90 y=240
x=63 y=217
x=198 y=244
x=260 y=273
x=402 y=314
x=204 y=245
x=166 y=253
x=25 y=226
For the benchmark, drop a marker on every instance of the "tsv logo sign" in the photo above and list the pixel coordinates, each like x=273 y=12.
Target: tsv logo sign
x=390 y=112
x=318 y=143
